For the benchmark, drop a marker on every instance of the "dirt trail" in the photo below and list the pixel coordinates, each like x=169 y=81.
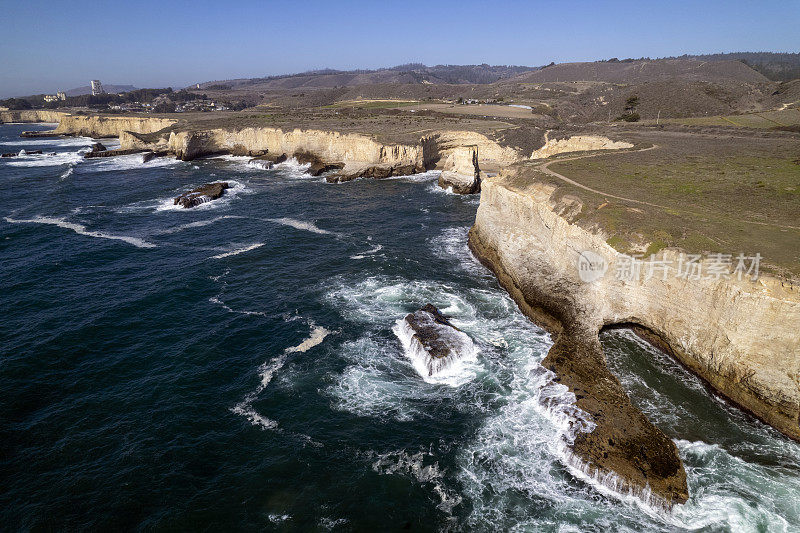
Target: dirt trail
x=545 y=168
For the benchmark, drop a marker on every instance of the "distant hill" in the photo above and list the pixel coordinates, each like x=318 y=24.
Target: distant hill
x=645 y=70
x=87 y=89
x=774 y=65
x=413 y=73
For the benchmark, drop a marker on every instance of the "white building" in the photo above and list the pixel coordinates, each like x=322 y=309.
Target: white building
x=97 y=88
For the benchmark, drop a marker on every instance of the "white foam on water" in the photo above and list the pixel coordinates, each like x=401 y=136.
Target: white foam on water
x=380 y=381
x=268 y=370
x=81 y=230
x=292 y=169
x=238 y=251
x=329 y=524
x=121 y=163
x=301 y=225
x=217 y=300
x=417 y=178
x=451 y=244
x=45 y=160
x=196 y=224
x=422 y=468
x=168 y=204
x=51 y=142
x=67 y=173
x=318 y=334
x=377 y=248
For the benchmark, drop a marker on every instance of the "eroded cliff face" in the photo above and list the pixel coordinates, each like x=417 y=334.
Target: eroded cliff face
x=453 y=151
x=742 y=336
x=102 y=126
x=31 y=115
x=350 y=149
x=578 y=143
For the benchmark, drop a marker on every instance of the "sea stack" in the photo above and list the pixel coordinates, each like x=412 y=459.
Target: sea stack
x=204 y=193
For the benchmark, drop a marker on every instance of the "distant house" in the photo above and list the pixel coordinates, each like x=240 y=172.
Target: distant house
x=55 y=97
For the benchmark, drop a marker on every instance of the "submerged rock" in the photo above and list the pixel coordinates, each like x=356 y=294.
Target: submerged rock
x=431 y=341
x=204 y=193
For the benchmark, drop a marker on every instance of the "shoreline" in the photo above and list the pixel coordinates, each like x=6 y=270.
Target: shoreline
x=551 y=296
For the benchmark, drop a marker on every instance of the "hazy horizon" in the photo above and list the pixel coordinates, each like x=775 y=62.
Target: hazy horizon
x=180 y=44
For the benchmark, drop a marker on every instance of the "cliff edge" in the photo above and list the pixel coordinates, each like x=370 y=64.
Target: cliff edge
x=740 y=335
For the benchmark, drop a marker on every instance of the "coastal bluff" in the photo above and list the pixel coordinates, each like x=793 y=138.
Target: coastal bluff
x=741 y=336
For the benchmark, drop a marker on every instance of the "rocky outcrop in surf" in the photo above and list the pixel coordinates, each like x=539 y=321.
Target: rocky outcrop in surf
x=200 y=195
x=433 y=343
x=740 y=336
x=110 y=153
x=22 y=153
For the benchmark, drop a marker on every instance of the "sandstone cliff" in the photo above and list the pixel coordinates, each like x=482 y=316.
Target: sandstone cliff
x=742 y=336
x=102 y=126
x=31 y=115
x=350 y=149
x=578 y=143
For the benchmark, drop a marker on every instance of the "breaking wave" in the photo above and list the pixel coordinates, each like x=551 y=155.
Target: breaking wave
x=81 y=230
x=121 y=163
x=301 y=225
x=45 y=160
x=238 y=251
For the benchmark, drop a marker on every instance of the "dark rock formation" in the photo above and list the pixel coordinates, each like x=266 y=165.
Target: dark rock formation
x=98 y=147
x=39 y=134
x=377 y=172
x=623 y=441
x=434 y=340
x=204 y=193
x=112 y=153
x=317 y=165
x=267 y=160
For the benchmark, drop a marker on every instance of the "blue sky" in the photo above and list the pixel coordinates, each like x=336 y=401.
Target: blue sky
x=45 y=46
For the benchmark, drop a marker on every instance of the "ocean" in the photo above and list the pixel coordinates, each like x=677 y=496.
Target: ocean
x=239 y=366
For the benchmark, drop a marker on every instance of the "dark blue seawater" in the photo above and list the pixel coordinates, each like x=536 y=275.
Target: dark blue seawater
x=235 y=367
